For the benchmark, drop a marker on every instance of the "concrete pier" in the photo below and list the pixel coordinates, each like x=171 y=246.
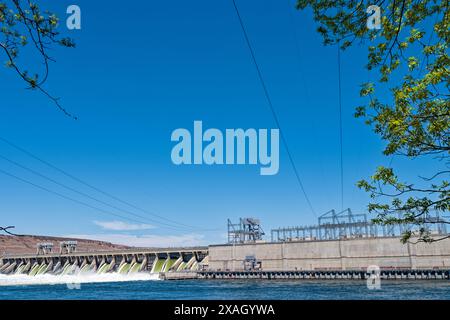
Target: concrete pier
x=179 y=275
x=401 y=274
x=405 y=274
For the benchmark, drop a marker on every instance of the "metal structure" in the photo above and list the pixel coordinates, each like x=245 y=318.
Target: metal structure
x=345 y=225
x=247 y=230
x=67 y=247
x=44 y=248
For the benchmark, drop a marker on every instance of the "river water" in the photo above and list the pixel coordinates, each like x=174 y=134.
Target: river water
x=147 y=286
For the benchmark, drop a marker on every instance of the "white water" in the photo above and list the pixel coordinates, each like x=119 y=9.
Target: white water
x=23 y=279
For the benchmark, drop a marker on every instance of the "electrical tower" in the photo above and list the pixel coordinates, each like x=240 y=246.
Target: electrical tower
x=44 y=248
x=66 y=247
x=247 y=230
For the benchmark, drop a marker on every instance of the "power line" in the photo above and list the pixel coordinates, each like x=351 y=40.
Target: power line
x=67 y=197
x=93 y=187
x=340 y=125
x=269 y=101
x=299 y=51
x=422 y=64
x=83 y=194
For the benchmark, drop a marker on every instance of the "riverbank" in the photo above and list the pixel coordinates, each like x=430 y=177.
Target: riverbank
x=27 y=244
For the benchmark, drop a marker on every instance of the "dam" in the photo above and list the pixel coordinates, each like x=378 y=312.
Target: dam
x=340 y=241
x=341 y=246
x=68 y=261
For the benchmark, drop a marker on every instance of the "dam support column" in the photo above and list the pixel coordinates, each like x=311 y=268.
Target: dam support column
x=412 y=255
x=233 y=258
x=341 y=257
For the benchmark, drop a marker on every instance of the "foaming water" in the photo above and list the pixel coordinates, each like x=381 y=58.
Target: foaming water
x=46 y=279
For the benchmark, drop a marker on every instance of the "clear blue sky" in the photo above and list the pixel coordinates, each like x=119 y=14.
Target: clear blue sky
x=143 y=69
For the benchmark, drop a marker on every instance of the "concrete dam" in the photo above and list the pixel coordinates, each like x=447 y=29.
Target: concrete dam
x=347 y=259
x=341 y=246
x=68 y=261
x=340 y=241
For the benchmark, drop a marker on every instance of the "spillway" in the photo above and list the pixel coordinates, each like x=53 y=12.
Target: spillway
x=135 y=267
x=34 y=269
x=124 y=268
x=121 y=262
x=168 y=264
x=43 y=268
x=158 y=265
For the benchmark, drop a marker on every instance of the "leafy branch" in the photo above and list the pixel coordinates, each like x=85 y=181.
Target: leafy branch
x=6 y=230
x=414 y=119
x=23 y=24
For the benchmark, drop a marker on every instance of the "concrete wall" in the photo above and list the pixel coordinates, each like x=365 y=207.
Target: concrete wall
x=333 y=254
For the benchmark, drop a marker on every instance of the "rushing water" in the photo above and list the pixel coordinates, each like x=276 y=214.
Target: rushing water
x=146 y=286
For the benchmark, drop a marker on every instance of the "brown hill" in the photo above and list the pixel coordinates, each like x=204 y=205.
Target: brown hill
x=26 y=244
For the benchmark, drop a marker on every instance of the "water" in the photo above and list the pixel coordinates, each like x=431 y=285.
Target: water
x=146 y=286
x=72 y=279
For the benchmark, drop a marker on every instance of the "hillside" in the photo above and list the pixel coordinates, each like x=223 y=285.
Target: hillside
x=26 y=244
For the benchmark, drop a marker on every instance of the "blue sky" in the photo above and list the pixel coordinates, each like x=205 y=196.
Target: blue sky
x=139 y=72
